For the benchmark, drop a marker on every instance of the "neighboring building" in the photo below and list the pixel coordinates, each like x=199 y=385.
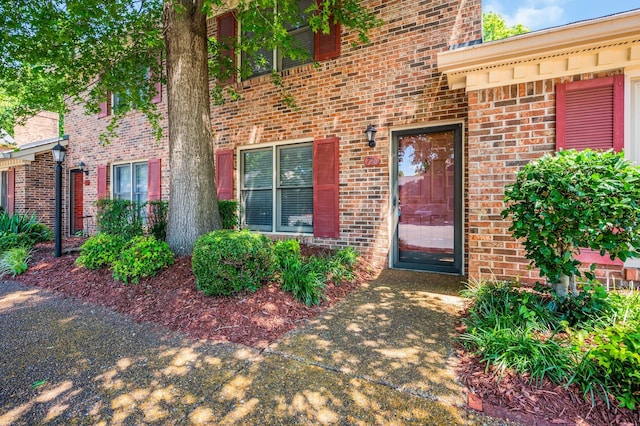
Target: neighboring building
x=575 y=86
x=27 y=171
x=310 y=173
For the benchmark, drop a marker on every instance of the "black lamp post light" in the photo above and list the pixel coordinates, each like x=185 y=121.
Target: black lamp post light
x=59 y=153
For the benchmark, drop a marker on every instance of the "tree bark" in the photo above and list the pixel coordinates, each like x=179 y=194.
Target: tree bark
x=562 y=286
x=193 y=207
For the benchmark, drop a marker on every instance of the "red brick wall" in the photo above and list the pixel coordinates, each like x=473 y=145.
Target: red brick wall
x=391 y=82
x=42 y=126
x=134 y=142
x=34 y=188
x=508 y=127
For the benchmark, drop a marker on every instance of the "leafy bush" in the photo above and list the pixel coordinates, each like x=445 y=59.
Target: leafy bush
x=121 y=217
x=101 y=250
x=9 y=240
x=285 y=249
x=157 y=220
x=305 y=280
x=228 y=213
x=17 y=223
x=341 y=265
x=142 y=257
x=617 y=353
x=572 y=200
x=40 y=233
x=226 y=262
x=14 y=261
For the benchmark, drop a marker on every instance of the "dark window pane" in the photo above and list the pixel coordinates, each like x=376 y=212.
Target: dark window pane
x=258 y=209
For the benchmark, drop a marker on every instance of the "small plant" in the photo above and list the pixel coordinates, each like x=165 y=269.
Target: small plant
x=14 y=261
x=17 y=223
x=226 y=262
x=40 y=233
x=142 y=257
x=341 y=265
x=100 y=250
x=121 y=217
x=157 y=219
x=285 y=249
x=305 y=280
x=228 y=213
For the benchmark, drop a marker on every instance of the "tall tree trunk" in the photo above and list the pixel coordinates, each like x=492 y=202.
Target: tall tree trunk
x=193 y=207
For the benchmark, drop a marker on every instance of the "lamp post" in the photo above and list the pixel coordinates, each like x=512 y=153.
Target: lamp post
x=58 y=156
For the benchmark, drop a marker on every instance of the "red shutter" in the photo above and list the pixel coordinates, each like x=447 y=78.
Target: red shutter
x=224 y=174
x=327 y=46
x=11 y=190
x=154 y=179
x=326 y=189
x=227 y=34
x=102 y=182
x=104 y=107
x=590 y=114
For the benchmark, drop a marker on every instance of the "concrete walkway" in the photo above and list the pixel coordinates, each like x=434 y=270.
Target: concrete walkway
x=383 y=356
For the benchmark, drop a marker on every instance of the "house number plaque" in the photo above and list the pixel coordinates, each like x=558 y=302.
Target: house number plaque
x=372 y=160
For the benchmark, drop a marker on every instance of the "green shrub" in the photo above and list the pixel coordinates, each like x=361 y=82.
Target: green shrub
x=341 y=265
x=17 y=223
x=100 y=250
x=571 y=200
x=9 y=240
x=142 y=257
x=14 y=261
x=285 y=249
x=304 y=279
x=40 y=233
x=228 y=213
x=226 y=262
x=157 y=220
x=119 y=217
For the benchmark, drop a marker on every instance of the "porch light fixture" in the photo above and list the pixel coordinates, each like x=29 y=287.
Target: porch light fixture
x=371 y=135
x=82 y=168
x=59 y=152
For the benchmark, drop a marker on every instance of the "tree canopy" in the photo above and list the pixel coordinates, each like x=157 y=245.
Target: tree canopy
x=494 y=27
x=60 y=52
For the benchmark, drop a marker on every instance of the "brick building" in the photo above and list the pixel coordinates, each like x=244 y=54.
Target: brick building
x=575 y=86
x=27 y=169
x=310 y=172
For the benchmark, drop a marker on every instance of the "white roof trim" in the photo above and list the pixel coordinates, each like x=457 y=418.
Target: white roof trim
x=605 y=43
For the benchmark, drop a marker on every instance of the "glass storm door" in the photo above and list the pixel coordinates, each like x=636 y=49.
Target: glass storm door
x=427 y=199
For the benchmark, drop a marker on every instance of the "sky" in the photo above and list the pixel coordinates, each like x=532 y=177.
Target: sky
x=539 y=14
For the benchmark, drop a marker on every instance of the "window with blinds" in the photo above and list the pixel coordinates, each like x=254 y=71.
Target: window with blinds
x=277 y=188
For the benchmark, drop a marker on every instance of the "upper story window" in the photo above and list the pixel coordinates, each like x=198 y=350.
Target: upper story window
x=266 y=60
x=308 y=46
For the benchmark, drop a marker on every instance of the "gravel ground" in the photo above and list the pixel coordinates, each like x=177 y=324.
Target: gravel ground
x=68 y=362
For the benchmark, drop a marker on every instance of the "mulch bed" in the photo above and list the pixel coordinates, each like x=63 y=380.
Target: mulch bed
x=514 y=397
x=172 y=300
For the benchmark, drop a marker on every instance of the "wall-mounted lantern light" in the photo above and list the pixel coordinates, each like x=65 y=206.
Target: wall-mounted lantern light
x=371 y=135
x=82 y=168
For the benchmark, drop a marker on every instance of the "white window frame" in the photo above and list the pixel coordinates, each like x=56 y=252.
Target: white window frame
x=275 y=148
x=132 y=169
x=632 y=112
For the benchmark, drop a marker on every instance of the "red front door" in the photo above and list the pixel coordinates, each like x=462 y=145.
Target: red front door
x=77 y=212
